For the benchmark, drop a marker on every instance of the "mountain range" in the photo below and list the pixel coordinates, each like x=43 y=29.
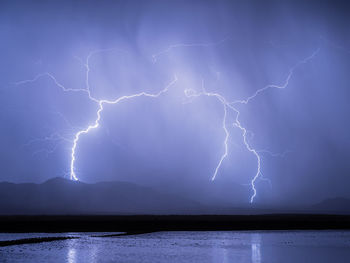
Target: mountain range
x=62 y=196
x=59 y=196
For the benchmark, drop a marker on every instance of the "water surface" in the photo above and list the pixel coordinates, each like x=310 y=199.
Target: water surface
x=211 y=246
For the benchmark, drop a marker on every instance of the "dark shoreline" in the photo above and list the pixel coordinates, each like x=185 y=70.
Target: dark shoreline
x=34 y=240
x=152 y=223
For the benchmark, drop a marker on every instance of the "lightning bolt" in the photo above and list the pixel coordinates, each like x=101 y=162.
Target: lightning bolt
x=191 y=93
x=100 y=102
x=97 y=120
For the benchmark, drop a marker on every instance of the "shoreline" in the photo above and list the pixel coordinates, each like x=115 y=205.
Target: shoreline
x=153 y=223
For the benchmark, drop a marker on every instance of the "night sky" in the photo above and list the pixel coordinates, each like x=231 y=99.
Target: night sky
x=172 y=142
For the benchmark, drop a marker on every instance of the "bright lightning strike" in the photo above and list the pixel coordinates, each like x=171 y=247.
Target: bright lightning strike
x=190 y=93
x=100 y=102
x=97 y=121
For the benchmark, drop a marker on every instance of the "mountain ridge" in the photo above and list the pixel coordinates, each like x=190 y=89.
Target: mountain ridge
x=63 y=196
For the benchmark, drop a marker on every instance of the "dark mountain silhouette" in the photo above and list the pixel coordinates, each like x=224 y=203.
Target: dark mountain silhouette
x=62 y=196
